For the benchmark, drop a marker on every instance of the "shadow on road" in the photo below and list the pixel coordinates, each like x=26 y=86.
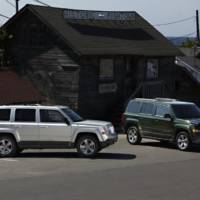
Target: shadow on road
x=115 y=156
x=168 y=145
x=111 y=156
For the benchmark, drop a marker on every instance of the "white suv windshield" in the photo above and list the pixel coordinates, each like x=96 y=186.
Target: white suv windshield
x=72 y=115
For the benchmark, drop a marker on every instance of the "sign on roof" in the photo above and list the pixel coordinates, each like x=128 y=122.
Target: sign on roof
x=98 y=15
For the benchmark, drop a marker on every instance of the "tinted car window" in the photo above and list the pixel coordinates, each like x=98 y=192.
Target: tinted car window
x=186 y=111
x=162 y=110
x=72 y=115
x=4 y=114
x=147 y=108
x=134 y=107
x=51 y=116
x=25 y=115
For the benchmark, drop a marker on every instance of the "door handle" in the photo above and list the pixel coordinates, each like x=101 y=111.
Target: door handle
x=18 y=126
x=43 y=126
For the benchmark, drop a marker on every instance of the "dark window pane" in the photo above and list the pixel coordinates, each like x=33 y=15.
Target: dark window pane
x=152 y=69
x=134 y=107
x=4 y=114
x=162 y=110
x=72 y=115
x=25 y=115
x=51 y=116
x=147 y=108
x=186 y=111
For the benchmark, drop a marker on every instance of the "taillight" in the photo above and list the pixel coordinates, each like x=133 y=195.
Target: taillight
x=123 y=119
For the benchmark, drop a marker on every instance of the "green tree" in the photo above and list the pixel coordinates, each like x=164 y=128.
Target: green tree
x=189 y=43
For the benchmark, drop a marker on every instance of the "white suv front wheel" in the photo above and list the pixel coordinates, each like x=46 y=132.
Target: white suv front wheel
x=87 y=146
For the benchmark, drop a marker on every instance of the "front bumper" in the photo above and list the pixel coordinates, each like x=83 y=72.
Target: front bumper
x=196 y=139
x=109 y=141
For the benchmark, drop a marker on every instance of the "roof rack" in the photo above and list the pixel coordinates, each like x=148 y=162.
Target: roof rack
x=165 y=99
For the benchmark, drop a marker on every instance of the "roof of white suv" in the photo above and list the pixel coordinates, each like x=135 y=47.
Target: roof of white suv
x=33 y=106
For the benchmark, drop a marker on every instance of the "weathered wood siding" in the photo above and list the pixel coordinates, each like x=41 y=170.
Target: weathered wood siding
x=93 y=103
x=187 y=89
x=64 y=78
x=41 y=57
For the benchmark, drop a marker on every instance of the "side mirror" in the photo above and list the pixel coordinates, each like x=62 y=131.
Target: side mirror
x=168 y=116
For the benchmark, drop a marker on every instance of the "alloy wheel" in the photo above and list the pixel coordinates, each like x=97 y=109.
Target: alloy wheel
x=87 y=147
x=6 y=147
x=182 y=142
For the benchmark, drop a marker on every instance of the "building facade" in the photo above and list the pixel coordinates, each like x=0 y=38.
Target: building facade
x=92 y=61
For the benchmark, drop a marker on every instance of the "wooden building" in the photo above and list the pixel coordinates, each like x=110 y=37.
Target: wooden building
x=188 y=75
x=92 y=61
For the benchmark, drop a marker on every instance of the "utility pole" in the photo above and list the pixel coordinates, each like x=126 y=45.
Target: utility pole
x=197 y=24
x=17 y=5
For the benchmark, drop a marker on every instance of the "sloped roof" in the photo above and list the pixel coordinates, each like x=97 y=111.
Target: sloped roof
x=104 y=36
x=14 y=89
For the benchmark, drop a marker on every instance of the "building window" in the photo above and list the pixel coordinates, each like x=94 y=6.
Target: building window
x=152 y=69
x=106 y=69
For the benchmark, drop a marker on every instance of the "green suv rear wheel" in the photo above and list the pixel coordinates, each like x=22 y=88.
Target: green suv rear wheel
x=133 y=135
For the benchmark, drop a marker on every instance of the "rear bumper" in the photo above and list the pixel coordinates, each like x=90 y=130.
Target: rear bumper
x=109 y=141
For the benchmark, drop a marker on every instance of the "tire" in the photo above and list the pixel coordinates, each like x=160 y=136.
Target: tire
x=87 y=146
x=133 y=135
x=182 y=141
x=8 y=146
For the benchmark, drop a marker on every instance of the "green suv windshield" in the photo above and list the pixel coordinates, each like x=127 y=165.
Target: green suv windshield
x=186 y=111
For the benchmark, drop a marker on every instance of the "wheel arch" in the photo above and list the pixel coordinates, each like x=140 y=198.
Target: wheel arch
x=178 y=130
x=9 y=134
x=80 y=134
x=131 y=123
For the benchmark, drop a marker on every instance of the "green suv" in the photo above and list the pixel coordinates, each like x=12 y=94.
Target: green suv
x=163 y=120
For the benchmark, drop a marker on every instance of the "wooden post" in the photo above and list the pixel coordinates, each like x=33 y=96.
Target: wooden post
x=17 y=5
x=197 y=24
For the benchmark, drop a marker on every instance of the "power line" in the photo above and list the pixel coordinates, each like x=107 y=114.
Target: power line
x=2 y=15
x=41 y=2
x=10 y=3
x=176 y=22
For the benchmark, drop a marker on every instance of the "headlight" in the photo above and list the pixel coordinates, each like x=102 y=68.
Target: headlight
x=111 y=129
x=194 y=130
x=103 y=130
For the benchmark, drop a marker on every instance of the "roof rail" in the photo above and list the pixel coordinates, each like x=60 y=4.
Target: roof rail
x=165 y=99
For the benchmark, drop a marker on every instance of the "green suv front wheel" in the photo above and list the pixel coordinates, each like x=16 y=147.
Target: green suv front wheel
x=182 y=141
x=133 y=135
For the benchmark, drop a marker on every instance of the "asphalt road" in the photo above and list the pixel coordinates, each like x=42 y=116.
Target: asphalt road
x=120 y=172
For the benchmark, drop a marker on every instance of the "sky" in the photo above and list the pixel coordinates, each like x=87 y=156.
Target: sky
x=155 y=11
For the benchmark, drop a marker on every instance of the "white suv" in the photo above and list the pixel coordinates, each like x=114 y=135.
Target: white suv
x=51 y=127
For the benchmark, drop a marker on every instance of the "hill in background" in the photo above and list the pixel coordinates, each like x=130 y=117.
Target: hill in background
x=178 y=41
